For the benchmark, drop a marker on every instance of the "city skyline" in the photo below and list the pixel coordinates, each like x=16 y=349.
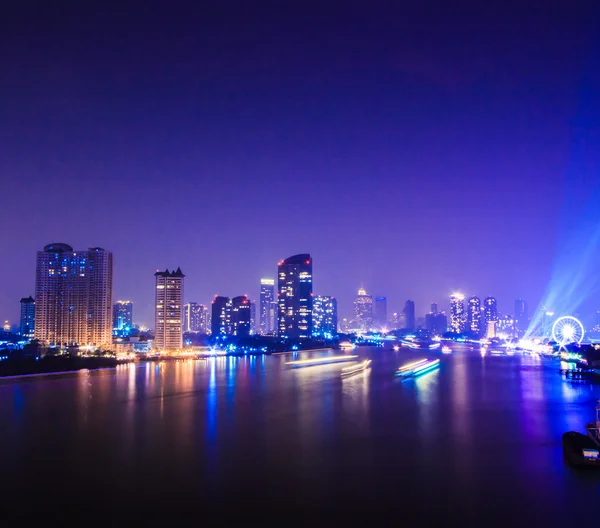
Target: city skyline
x=470 y=134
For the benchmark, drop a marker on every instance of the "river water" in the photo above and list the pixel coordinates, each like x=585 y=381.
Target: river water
x=250 y=439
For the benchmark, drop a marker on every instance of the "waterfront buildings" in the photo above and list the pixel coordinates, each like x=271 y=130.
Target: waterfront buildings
x=168 y=327
x=457 y=313
x=268 y=307
x=436 y=322
x=27 y=325
x=324 y=316
x=73 y=296
x=408 y=314
x=240 y=311
x=220 y=316
x=381 y=311
x=294 y=297
x=474 y=316
x=195 y=318
x=521 y=316
x=122 y=317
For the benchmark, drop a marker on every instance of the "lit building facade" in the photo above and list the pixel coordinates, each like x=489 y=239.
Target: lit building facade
x=457 y=313
x=381 y=311
x=294 y=297
x=268 y=309
x=168 y=320
x=363 y=309
x=240 y=316
x=27 y=326
x=220 y=316
x=122 y=317
x=73 y=296
x=408 y=314
x=324 y=316
x=195 y=318
x=474 y=316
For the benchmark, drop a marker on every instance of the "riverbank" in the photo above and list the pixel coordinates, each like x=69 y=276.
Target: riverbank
x=53 y=364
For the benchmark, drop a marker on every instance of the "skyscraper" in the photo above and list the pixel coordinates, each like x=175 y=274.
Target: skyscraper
x=363 y=309
x=408 y=314
x=324 y=316
x=457 y=313
x=168 y=329
x=521 y=317
x=27 y=326
x=381 y=311
x=434 y=308
x=295 y=297
x=73 y=296
x=220 y=316
x=194 y=318
x=122 y=317
x=240 y=318
x=490 y=313
x=474 y=316
x=267 y=312
x=436 y=322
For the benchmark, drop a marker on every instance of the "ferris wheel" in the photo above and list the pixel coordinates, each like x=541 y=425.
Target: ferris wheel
x=567 y=330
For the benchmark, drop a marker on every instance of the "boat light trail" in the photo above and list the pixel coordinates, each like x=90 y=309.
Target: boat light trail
x=319 y=361
x=353 y=369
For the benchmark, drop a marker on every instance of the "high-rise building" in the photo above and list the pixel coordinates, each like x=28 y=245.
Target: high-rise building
x=295 y=297
x=434 y=308
x=267 y=308
x=194 y=318
x=521 y=317
x=436 y=322
x=73 y=296
x=220 y=316
x=122 y=317
x=396 y=321
x=241 y=316
x=381 y=311
x=490 y=310
x=252 y=317
x=27 y=326
x=168 y=329
x=474 y=316
x=408 y=314
x=457 y=313
x=324 y=316
x=363 y=309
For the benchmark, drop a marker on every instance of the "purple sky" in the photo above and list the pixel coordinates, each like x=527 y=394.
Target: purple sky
x=414 y=148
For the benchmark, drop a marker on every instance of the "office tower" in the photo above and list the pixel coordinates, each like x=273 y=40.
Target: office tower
x=381 y=310
x=168 y=329
x=436 y=323
x=396 y=321
x=363 y=309
x=27 y=326
x=521 y=318
x=194 y=317
x=252 y=317
x=324 y=316
x=506 y=327
x=408 y=314
x=122 y=317
x=241 y=316
x=295 y=297
x=73 y=296
x=220 y=316
x=457 y=313
x=474 y=316
x=267 y=315
x=490 y=310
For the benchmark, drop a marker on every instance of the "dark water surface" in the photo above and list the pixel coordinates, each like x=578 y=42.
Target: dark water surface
x=477 y=442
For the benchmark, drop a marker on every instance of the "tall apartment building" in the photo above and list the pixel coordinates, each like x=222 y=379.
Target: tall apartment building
x=168 y=331
x=73 y=296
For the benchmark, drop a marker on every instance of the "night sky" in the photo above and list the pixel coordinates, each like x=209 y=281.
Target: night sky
x=413 y=148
